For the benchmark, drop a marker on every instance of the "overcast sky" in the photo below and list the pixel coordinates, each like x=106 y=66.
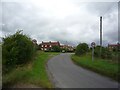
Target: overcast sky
x=67 y=21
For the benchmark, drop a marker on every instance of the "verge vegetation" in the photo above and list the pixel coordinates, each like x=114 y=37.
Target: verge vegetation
x=33 y=72
x=17 y=49
x=106 y=64
x=101 y=66
x=22 y=63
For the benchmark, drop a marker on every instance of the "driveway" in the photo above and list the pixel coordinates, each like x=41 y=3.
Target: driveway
x=65 y=74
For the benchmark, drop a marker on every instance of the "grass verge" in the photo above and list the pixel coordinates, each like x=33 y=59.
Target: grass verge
x=32 y=73
x=98 y=65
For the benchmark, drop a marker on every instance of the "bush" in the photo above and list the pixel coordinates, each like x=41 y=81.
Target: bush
x=97 y=51
x=104 y=54
x=16 y=49
x=82 y=49
x=56 y=48
x=64 y=50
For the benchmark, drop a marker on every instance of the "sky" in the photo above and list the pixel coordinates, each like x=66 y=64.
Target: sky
x=68 y=21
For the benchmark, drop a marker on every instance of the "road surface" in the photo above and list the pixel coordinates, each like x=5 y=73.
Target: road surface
x=65 y=74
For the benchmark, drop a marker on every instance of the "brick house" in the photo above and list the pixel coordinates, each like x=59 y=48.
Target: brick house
x=67 y=47
x=111 y=47
x=46 y=46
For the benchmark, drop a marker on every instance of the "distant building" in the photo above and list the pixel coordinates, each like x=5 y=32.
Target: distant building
x=111 y=47
x=63 y=46
x=67 y=48
x=70 y=48
x=45 y=46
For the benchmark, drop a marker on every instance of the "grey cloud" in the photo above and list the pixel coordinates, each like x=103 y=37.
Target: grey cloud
x=101 y=8
x=82 y=25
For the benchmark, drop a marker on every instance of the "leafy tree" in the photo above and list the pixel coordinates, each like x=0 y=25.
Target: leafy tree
x=82 y=48
x=56 y=48
x=16 y=49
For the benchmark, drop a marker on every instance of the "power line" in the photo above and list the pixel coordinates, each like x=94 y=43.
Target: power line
x=106 y=11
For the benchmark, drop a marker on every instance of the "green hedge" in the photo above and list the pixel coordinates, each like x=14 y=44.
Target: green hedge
x=17 y=49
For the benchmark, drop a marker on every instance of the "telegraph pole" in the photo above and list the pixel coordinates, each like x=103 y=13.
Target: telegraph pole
x=100 y=35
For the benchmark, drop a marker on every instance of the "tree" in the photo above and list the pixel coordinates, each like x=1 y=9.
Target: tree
x=82 y=48
x=56 y=48
x=16 y=49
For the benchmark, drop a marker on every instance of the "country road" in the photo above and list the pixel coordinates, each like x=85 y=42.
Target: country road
x=65 y=74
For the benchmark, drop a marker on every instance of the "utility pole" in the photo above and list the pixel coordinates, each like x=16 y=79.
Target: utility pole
x=100 y=35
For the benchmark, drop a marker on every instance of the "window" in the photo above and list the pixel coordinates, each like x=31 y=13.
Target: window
x=45 y=45
x=50 y=46
x=45 y=49
x=42 y=45
x=41 y=48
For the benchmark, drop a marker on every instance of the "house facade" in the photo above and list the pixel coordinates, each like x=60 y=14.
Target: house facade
x=67 y=47
x=111 y=47
x=46 y=46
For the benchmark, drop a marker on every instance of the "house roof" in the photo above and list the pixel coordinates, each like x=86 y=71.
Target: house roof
x=113 y=45
x=50 y=43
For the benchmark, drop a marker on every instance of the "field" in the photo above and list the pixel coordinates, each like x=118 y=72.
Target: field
x=100 y=66
x=32 y=73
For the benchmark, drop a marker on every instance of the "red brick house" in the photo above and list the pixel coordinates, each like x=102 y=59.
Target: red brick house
x=46 y=46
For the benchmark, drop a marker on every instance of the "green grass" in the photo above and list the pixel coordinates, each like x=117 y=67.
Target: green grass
x=32 y=73
x=98 y=65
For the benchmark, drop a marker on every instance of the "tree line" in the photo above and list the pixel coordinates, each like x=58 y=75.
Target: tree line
x=83 y=48
x=18 y=49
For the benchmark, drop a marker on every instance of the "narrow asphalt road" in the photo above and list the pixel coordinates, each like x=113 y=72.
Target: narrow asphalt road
x=65 y=74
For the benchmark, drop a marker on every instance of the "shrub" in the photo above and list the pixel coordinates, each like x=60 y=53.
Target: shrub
x=56 y=48
x=104 y=54
x=82 y=48
x=97 y=51
x=16 y=49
